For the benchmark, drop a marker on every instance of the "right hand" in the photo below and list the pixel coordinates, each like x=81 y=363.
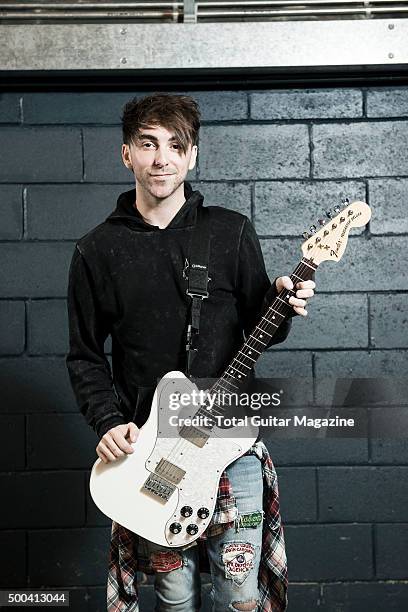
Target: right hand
x=114 y=443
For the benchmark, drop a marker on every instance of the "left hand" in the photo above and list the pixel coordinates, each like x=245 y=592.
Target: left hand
x=303 y=290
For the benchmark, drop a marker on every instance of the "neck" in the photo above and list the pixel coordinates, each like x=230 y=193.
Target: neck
x=159 y=211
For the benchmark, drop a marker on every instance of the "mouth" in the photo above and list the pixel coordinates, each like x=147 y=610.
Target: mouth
x=161 y=175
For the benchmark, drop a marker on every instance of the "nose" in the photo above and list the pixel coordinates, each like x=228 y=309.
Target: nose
x=160 y=158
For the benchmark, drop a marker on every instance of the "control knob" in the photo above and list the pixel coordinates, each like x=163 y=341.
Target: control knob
x=186 y=511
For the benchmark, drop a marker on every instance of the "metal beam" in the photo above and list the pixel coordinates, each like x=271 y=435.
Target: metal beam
x=249 y=45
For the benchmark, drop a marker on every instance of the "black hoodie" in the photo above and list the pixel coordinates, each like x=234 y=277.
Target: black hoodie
x=126 y=279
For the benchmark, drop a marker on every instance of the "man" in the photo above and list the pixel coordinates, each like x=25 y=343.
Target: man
x=128 y=279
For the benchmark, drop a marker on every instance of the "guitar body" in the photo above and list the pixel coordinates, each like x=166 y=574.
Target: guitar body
x=119 y=488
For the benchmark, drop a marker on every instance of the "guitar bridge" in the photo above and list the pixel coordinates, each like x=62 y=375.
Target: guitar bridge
x=162 y=483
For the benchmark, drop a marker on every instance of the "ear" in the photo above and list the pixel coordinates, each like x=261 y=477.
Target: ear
x=193 y=158
x=126 y=156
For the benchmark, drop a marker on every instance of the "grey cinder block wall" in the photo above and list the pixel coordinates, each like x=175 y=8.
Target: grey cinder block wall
x=281 y=157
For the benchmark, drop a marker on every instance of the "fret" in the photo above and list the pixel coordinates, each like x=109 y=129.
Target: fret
x=308 y=265
x=222 y=386
x=277 y=311
x=263 y=331
x=248 y=357
x=257 y=339
x=228 y=382
x=229 y=374
x=244 y=364
x=270 y=322
x=252 y=348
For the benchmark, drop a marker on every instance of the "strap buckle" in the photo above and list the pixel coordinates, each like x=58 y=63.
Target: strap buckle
x=202 y=296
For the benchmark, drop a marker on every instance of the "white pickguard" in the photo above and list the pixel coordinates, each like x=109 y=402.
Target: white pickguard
x=116 y=487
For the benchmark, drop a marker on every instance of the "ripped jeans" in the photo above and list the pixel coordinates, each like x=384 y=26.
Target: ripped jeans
x=234 y=555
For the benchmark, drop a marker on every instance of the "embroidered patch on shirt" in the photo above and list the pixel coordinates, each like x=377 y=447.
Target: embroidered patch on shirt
x=238 y=559
x=253 y=519
x=165 y=560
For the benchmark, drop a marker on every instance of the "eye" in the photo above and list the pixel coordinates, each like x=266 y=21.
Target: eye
x=146 y=144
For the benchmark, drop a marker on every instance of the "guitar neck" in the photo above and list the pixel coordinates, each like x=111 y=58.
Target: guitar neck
x=241 y=365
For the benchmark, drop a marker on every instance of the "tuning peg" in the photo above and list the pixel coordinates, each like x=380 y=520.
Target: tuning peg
x=305 y=235
x=345 y=201
x=322 y=221
x=336 y=208
x=312 y=229
x=329 y=214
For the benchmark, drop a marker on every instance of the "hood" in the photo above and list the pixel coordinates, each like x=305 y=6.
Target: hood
x=126 y=213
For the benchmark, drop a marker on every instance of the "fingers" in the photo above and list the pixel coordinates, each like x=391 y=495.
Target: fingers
x=113 y=443
x=283 y=282
x=298 y=305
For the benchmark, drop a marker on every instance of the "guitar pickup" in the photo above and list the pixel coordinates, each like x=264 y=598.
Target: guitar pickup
x=193 y=435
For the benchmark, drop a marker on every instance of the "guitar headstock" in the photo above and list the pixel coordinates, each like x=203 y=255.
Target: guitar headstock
x=331 y=240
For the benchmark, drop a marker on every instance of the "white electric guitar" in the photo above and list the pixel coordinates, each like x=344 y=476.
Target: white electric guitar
x=166 y=490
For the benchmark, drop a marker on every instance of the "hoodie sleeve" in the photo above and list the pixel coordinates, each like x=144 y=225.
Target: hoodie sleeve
x=88 y=367
x=255 y=290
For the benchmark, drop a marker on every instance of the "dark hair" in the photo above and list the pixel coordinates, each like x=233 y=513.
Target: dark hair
x=177 y=113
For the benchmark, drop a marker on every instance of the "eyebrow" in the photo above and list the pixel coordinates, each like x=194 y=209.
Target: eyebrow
x=152 y=137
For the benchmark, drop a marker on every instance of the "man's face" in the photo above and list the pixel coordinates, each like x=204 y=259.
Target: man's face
x=158 y=162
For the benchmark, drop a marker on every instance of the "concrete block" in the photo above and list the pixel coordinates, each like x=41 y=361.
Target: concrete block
x=10 y=108
x=389 y=321
x=388 y=199
x=307 y=104
x=391 y=550
x=33 y=155
x=47 y=327
x=35 y=270
x=297 y=494
x=40 y=499
x=333 y=320
x=68 y=557
x=12 y=326
x=254 y=152
x=387 y=102
x=357 y=494
x=36 y=384
x=329 y=552
x=12 y=559
x=364 y=597
x=12 y=442
x=360 y=149
x=67 y=212
x=70 y=444
x=11 y=212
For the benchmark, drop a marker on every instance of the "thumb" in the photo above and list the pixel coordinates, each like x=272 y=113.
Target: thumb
x=132 y=431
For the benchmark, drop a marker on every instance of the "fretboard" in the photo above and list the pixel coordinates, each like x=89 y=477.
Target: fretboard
x=241 y=365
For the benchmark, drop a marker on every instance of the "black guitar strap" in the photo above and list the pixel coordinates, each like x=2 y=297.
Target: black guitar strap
x=197 y=289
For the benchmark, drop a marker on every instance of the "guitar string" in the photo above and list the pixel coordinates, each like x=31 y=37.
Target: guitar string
x=183 y=445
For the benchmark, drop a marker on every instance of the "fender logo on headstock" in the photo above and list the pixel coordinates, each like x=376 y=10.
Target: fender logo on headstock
x=348 y=223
